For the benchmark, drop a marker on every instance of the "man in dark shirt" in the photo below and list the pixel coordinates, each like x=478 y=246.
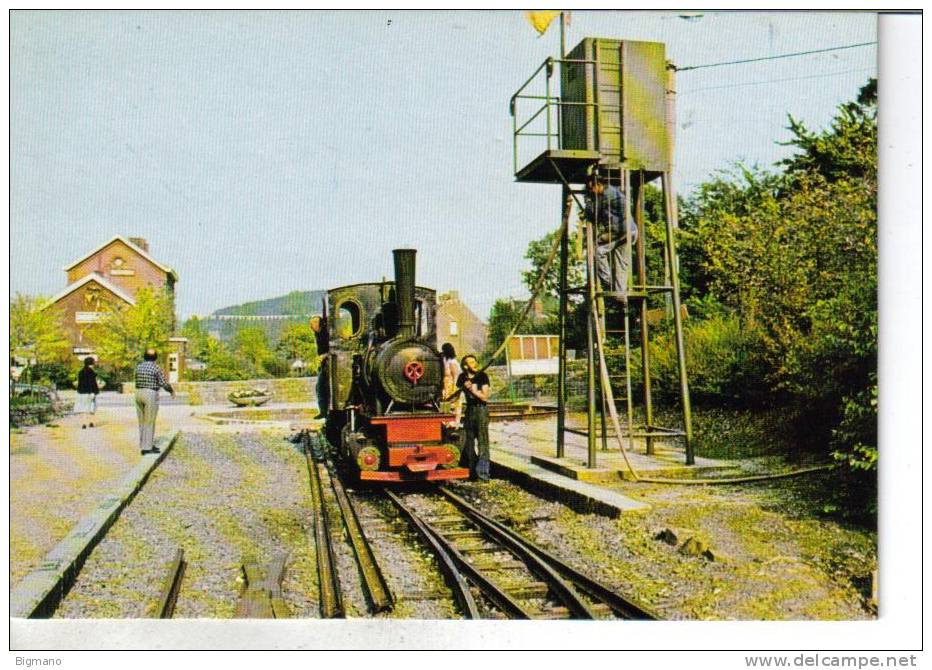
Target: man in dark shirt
x=322 y=335
x=605 y=207
x=149 y=379
x=475 y=386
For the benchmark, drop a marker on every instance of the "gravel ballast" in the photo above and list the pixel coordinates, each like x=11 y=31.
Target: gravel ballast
x=225 y=499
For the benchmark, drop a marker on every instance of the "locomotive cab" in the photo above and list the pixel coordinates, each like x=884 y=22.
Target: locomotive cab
x=386 y=380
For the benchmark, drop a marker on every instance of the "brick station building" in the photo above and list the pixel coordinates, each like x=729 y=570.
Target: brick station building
x=114 y=273
x=458 y=325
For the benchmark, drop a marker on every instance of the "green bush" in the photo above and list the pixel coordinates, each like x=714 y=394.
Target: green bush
x=62 y=375
x=275 y=366
x=723 y=361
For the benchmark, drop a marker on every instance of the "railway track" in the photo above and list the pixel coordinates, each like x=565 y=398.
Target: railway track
x=512 y=577
x=40 y=593
x=375 y=587
x=510 y=411
x=164 y=607
x=492 y=571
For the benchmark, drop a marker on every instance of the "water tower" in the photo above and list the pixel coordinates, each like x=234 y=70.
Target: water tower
x=613 y=116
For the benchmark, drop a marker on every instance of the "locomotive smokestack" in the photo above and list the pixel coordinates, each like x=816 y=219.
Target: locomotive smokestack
x=404 y=290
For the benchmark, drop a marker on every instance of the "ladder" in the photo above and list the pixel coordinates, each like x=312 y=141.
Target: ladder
x=600 y=129
x=615 y=324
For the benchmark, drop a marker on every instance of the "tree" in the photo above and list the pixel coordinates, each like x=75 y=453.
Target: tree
x=537 y=253
x=795 y=254
x=297 y=341
x=125 y=331
x=252 y=345
x=222 y=364
x=36 y=333
x=197 y=335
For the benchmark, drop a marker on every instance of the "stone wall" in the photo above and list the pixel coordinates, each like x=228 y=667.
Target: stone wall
x=290 y=389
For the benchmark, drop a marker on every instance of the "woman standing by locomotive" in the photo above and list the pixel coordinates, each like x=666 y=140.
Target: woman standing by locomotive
x=87 y=391
x=451 y=373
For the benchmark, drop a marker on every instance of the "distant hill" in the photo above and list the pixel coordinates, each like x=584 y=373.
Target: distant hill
x=298 y=305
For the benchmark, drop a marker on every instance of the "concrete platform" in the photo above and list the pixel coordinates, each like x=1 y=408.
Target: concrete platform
x=525 y=453
x=536 y=442
x=581 y=496
x=40 y=592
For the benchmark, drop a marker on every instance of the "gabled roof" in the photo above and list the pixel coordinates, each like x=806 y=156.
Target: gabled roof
x=100 y=279
x=139 y=250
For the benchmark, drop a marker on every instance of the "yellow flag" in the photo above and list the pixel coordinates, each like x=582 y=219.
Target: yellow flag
x=541 y=19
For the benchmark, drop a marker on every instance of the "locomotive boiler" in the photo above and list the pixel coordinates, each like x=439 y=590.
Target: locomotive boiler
x=386 y=381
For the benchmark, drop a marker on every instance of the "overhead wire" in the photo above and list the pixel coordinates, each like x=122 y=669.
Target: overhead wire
x=775 y=81
x=776 y=57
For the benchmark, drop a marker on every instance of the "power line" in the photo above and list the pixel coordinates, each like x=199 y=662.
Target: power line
x=790 y=55
x=774 y=81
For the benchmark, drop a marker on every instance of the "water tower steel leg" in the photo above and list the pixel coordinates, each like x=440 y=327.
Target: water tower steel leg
x=590 y=344
x=561 y=376
x=670 y=216
x=642 y=279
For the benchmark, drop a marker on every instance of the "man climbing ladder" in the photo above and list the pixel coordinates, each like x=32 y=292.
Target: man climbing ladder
x=605 y=207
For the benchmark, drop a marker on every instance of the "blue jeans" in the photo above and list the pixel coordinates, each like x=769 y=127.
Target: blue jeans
x=476 y=426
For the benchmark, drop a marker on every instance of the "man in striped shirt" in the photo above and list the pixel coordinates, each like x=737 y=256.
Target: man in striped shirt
x=149 y=379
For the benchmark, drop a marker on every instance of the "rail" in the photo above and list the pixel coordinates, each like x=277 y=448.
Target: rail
x=164 y=607
x=331 y=598
x=530 y=584
x=380 y=596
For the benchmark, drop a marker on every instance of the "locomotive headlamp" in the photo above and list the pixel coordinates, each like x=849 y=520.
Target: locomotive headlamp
x=451 y=457
x=368 y=458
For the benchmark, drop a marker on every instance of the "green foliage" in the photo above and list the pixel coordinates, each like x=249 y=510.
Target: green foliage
x=61 y=375
x=297 y=341
x=795 y=253
x=275 y=366
x=36 y=333
x=250 y=353
x=538 y=252
x=847 y=150
x=252 y=345
x=125 y=331
x=222 y=364
x=723 y=358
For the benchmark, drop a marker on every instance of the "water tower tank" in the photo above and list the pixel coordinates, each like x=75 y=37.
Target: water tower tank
x=617 y=102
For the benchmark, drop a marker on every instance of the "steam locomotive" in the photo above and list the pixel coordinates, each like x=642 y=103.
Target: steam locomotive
x=386 y=381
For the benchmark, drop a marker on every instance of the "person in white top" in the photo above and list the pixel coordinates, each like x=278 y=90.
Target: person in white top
x=451 y=372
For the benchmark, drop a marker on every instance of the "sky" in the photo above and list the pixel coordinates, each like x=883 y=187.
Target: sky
x=265 y=152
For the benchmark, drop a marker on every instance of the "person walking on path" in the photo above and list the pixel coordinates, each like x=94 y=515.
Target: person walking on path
x=87 y=392
x=149 y=379
x=475 y=386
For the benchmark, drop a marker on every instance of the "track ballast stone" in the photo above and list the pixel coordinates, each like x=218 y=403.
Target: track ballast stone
x=225 y=499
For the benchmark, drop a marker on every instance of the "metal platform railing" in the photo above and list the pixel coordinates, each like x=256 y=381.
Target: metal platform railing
x=551 y=106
